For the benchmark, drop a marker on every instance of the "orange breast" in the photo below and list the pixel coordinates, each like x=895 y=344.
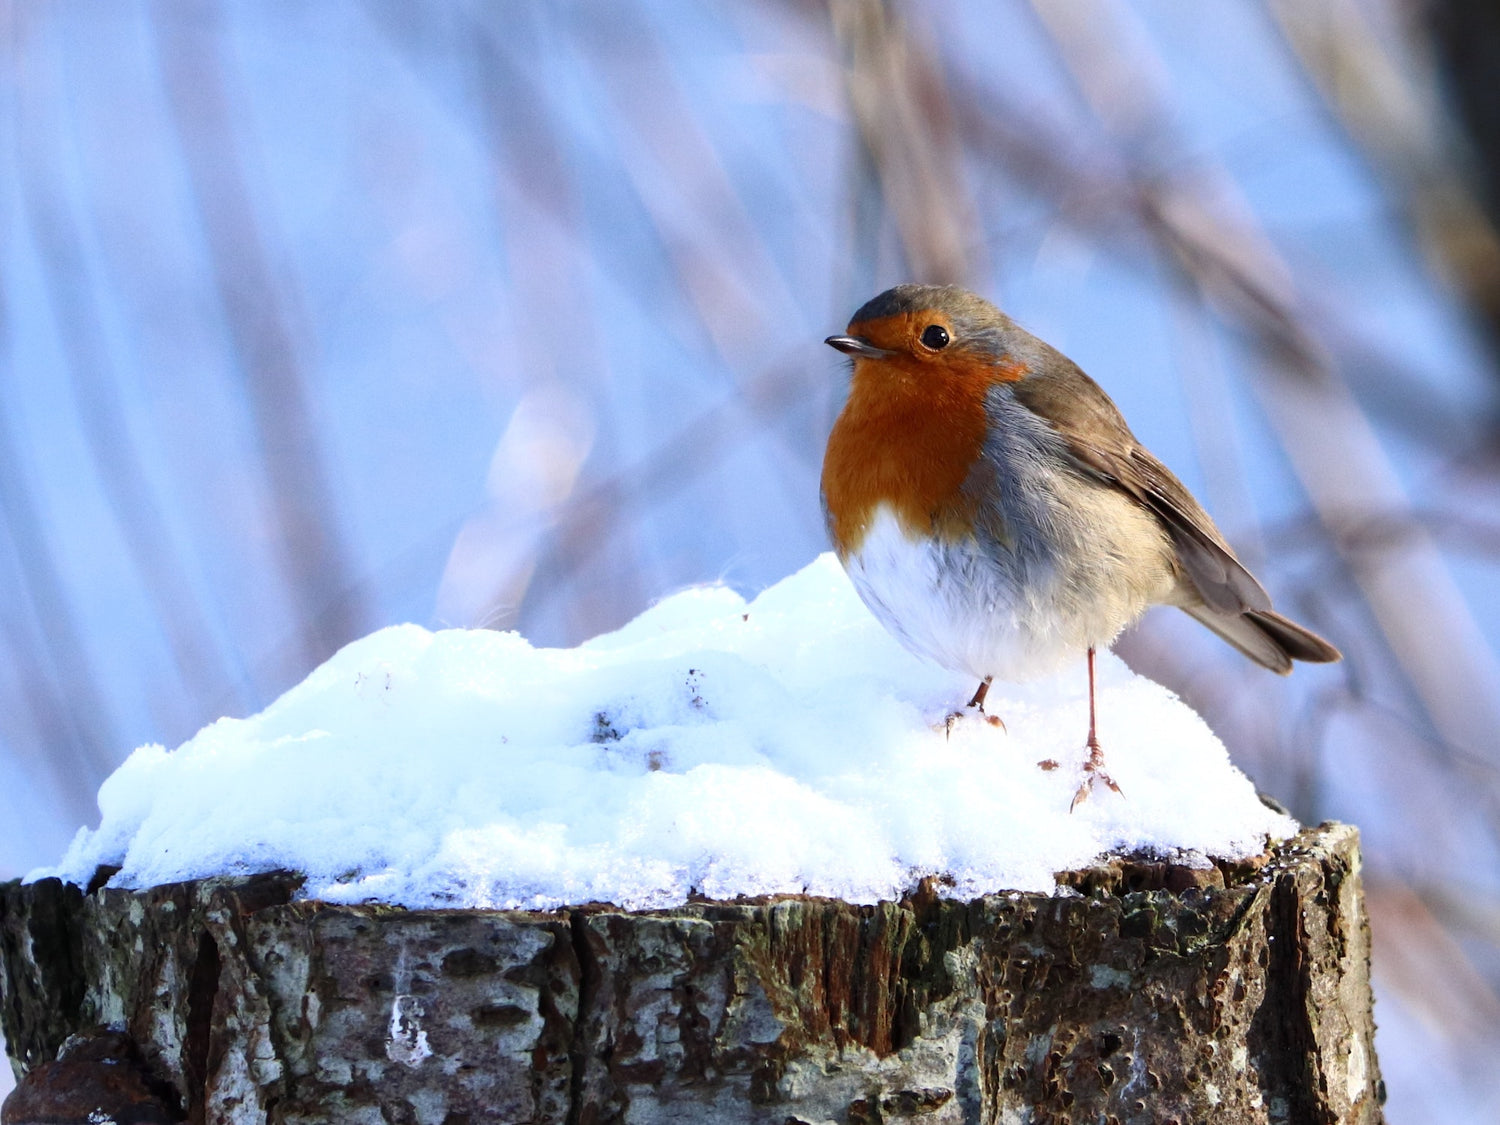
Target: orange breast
x=908 y=437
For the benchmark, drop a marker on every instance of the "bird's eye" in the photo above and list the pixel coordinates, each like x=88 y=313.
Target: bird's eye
x=935 y=336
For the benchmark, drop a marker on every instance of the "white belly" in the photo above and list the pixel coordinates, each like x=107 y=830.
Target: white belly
x=999 y=614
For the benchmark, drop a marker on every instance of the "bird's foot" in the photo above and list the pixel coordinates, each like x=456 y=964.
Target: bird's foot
x=953 y=718
x=1093 y=774
x=976 y=706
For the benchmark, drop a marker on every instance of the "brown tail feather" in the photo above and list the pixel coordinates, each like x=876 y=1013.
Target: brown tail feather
x=1267 y=637
x=1297 y=642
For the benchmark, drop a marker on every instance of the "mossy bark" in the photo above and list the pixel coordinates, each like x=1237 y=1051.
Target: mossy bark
x=1146 y=993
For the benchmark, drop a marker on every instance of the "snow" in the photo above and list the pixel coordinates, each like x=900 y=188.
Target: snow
x=784 y=745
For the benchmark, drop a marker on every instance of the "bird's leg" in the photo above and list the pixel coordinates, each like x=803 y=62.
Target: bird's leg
x=1094 y=767
x=979 y=693
x=978 y=704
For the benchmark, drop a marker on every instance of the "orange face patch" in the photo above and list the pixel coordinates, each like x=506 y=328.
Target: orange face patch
x=902 y=332
x=903 y=335
x=911 y=431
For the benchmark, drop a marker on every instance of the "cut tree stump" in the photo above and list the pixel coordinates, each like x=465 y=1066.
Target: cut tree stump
x=1144 y=993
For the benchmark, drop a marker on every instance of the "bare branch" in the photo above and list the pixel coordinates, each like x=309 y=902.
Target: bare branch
x=906 y=125
x=1391 y=110
x=134 y=504
x=314 y=560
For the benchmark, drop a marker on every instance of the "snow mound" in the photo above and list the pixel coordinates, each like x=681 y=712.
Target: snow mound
x=784 y=745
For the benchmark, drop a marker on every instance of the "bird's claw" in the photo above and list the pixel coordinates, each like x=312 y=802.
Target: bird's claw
x=1093 y=774
x=954 y=716
x=1092 y=778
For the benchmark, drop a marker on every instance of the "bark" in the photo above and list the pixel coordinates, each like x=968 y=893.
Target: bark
x=1144 y=993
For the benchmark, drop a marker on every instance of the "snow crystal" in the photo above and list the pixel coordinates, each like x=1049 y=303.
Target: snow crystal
x=784 y=745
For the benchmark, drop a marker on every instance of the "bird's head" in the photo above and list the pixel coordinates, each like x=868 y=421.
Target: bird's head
x=934 y=329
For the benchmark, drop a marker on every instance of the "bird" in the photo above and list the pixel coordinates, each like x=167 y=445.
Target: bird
x=995 y=513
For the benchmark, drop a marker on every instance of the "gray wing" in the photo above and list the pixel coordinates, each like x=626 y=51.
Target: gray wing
x=1102 y=445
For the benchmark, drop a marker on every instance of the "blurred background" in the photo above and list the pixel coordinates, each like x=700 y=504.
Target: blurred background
x=319 y=317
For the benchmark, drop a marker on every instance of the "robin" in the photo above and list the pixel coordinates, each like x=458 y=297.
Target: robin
x=997 y=515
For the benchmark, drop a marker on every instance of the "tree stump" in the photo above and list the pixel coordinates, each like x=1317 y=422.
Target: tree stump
x=1143 y=993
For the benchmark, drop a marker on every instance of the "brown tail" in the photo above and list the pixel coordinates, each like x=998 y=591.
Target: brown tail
x=1267 y=638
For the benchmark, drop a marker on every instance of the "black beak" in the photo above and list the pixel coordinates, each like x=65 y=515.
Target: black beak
x=856 y=346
